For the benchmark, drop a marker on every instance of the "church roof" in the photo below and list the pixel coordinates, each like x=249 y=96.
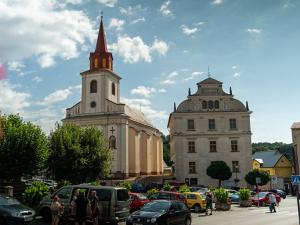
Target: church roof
x=101 y=41
x=209 y=81
x=269 y=158
x=137 y=116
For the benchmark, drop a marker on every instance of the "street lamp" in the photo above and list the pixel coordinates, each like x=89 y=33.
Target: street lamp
x=236 y=170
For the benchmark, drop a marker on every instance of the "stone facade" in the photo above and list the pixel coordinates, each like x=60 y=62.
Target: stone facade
x=210 y=125
x=136 y=144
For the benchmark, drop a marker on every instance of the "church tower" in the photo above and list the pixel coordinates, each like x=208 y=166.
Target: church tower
x=100 y=83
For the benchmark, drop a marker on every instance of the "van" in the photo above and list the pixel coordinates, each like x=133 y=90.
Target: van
x=114 y=202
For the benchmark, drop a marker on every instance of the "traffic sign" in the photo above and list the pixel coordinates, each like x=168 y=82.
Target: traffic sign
x=295 y=179
x=258 y=180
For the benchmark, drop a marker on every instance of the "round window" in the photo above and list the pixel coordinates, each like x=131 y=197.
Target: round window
x=93 y=104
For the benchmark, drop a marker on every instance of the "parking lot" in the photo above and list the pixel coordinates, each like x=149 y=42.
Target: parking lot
x=286 y=214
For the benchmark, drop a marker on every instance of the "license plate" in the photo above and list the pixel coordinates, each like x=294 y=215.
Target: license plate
x=26 y=219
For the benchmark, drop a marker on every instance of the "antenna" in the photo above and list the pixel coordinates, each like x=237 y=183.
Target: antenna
x=208 y=72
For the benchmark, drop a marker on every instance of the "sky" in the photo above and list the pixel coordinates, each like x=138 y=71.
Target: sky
x=160 y=48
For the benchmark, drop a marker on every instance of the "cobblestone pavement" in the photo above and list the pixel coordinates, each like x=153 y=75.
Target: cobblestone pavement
x=287 y=214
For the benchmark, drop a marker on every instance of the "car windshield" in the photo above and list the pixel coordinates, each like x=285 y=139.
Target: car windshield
x=8 y=201
x=156 y=206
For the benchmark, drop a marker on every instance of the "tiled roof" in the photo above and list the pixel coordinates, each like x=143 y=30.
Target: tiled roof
x=296 y=125
x=137 y=116
x=269 y=158
x=210 y=81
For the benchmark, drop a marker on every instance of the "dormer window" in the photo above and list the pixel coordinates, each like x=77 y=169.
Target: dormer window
x=210 y=104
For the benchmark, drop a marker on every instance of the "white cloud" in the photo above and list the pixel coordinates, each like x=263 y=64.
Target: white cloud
x=145 y=106
x=138 y=20
x=108 y=3
x=173 y=74
x=168 y=81
x=42 y=29
x=134 y=49
x=146 y=91
x=160 y=47
x=165 y=9
x=237 y=74
x=132 y=10
x=15 y=66
x=217 y=2
x=116 y=23
x=11 y=100
x=188 y=31
x=37 y=79
x=254 y=30
x=193 y=75
x=234 y=67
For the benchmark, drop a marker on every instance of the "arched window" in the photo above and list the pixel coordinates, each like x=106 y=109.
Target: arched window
x=217 y=105
x=113 y=89
x=104 y=62
x=93 y=86
x=204 y=105
x=112 y=142
x=96 y=63
x=210 y=104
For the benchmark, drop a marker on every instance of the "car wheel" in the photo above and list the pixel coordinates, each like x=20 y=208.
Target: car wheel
x=2 y=220
x=197 y=208
x=46 y=215
x=187 y=221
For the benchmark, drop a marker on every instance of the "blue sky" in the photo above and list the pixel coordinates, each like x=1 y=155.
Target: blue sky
x=160 y=49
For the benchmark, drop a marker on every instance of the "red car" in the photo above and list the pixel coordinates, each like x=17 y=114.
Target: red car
x=137 y=200
x=169 y=195
x=263 y=198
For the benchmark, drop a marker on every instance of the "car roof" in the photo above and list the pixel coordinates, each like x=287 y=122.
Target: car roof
x=170 y=192
x=95 y=186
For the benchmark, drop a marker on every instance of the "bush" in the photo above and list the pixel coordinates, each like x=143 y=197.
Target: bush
x=184 y=188
x=125 y=184
x=167 y=187
x=95 y=183
x=152 y=192
x=221 y=195
x=35 y=192
x=244 y=194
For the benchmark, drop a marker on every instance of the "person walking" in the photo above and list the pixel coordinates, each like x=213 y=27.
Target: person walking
x=81 y=206
x=272 y=200
x=209 y=202
x=56 y=210
x=95 y=207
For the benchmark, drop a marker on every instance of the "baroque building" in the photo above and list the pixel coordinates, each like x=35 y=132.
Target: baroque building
x=210 y=125
x=136 y=144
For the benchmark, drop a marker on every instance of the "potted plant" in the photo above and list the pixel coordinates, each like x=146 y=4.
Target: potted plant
x=222 y=199
x=245 y=200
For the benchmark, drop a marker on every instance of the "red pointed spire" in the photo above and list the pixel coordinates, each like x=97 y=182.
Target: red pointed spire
x=101 y=41
x=101 y=58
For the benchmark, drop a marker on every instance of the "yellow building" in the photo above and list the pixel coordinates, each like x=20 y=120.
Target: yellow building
x=276 y=164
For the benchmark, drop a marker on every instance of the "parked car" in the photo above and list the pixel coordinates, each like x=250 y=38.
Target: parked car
x=195 y=201
x=13 y=212
x=138 y=188
x=137 y=201
x=281 y=193
x=262 y=198
x=114 y=202
x=199 y=189
x=169 y=195
x=50 y=183
x=161 y=212
x=234 y=196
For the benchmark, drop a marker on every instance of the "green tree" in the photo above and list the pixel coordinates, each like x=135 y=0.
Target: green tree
x=23 y=149
x=166 y=149
x=167 y=187
x=78 y=154
x=283 y=148
x=252 y=175
x=219 y=170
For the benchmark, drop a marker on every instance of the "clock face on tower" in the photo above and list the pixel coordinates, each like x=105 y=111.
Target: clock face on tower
x=93 y=104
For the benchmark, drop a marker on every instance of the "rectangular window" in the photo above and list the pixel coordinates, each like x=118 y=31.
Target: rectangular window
x=190 y=125
x=192 y=167
x=232 y=124
x=191 y=147
x=235 y=166
x=211 y=124
x=234 y=146
x=213 y=146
